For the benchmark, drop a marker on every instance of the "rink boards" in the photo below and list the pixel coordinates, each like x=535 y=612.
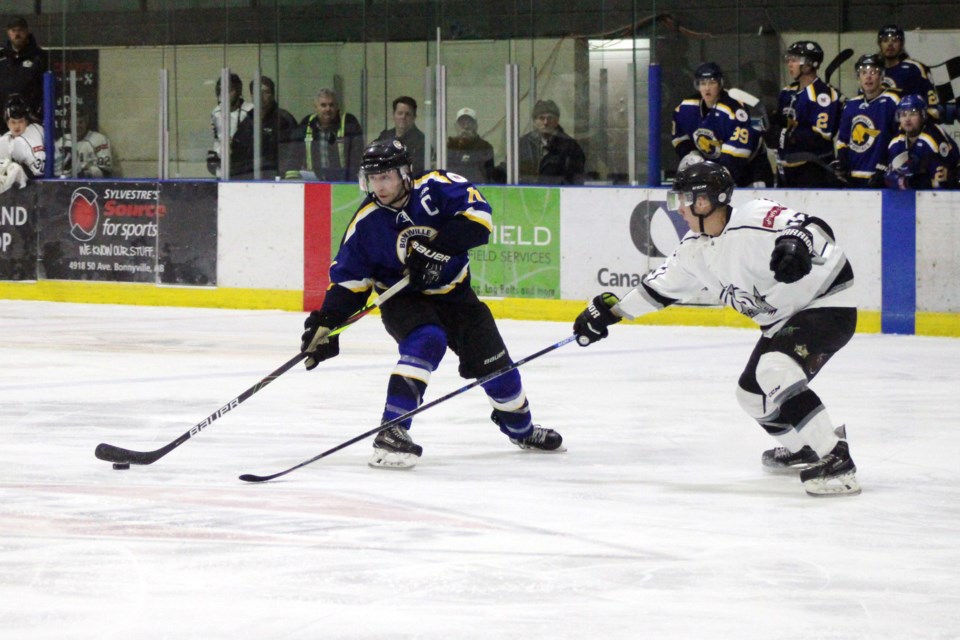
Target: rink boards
x=268 y=245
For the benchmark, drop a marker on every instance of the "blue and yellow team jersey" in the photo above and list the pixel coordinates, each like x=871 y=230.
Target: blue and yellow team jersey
x=722 y=133
x=373 y=250
x=928 y=162
x=866 y=129
x=910 y=77
x=810 y=118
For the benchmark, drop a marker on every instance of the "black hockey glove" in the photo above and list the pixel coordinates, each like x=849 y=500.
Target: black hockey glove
x=591 y=325
x=791 y=258
x=424 y=265
x=213 y=162
x=314 y=340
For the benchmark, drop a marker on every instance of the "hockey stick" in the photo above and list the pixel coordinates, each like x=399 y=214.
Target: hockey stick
x=119 y=455
x=249 y=477
x=842 y=57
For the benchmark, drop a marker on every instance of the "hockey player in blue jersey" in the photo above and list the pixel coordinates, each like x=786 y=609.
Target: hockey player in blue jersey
x=903 y=74
x=867 y=125
x=421 y=226
x=808 y=114
x=715 y=126
x=922 y=156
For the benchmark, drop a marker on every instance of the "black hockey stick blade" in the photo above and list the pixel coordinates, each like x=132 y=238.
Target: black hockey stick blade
x=112 y=453
x=249 y=477
x=842 y=57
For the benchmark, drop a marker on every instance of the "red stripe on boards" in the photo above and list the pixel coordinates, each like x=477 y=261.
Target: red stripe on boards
x=316 y=243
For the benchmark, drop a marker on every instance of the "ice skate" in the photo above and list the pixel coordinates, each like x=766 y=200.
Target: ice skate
x=541 y=439
x=393 y=448
x=833 y=475
x=781 y=460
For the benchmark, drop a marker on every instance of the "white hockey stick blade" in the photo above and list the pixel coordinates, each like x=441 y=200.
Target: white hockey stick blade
x=746 y=98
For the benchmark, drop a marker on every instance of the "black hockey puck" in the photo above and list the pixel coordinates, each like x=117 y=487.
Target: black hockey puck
x=121 y=465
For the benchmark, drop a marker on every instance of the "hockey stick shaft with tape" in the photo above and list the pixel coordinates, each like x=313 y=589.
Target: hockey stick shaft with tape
x=249 y=477
x=115 y=454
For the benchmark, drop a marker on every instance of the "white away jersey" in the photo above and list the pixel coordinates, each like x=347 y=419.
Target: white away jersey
x=735 y=266
x=27 y=150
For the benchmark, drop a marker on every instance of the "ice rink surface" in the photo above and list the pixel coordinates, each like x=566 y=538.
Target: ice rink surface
x=658 y=522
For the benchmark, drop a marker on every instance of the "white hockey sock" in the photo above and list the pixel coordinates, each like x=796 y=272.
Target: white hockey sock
x=817 y=431
x=791 y=440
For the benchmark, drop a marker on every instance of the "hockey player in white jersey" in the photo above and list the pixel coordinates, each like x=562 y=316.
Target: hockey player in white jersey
x=782 y=269
x=22 y=145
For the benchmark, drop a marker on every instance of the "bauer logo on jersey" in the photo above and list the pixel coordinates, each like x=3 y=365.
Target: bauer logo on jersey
x=412 y=233
x=862 y=133
x=707 y=143
x=84 y=214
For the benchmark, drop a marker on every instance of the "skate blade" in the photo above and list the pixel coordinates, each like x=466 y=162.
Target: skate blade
x=786 y=471
x=382 y=459
x=560 y=449
x=845 y=485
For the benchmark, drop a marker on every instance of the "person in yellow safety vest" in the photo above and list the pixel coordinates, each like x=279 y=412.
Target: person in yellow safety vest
x=332 y=143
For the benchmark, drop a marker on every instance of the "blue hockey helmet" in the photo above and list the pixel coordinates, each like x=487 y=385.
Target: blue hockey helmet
x=707 y=71
x=912 y=102
x=809 y=52
x=890 y=31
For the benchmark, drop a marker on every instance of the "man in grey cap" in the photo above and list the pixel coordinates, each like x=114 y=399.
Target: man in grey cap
x=468 y=154
x=547 y=154
x=22 y=65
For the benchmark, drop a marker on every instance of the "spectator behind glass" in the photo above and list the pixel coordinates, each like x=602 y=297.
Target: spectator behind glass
x=239 y=111
x=22 y=144
x=405 y=130
x=547 y=154
x=22 y=65
x=468 y=154
x=94 y=155
x=331 y=143
x=278 y=129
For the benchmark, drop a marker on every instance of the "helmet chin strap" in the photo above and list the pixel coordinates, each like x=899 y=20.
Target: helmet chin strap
x=702 y=217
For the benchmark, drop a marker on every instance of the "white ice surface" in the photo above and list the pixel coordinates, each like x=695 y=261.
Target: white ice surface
x=657 y=523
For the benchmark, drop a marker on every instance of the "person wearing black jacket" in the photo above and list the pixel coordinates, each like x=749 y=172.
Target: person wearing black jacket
x=547 y=154
x=22 y=65
x=278 y=131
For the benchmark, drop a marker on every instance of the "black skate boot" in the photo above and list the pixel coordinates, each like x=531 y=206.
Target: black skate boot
x=541 y=439
x=393 y=448
x=781 y=460
x=833 y=475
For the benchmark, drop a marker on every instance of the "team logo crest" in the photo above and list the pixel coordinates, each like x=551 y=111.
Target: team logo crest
x=823 y=100
x=84 y=214
x=745 y=303
x=862 y=133
x=412 y=233
x=707 y=143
